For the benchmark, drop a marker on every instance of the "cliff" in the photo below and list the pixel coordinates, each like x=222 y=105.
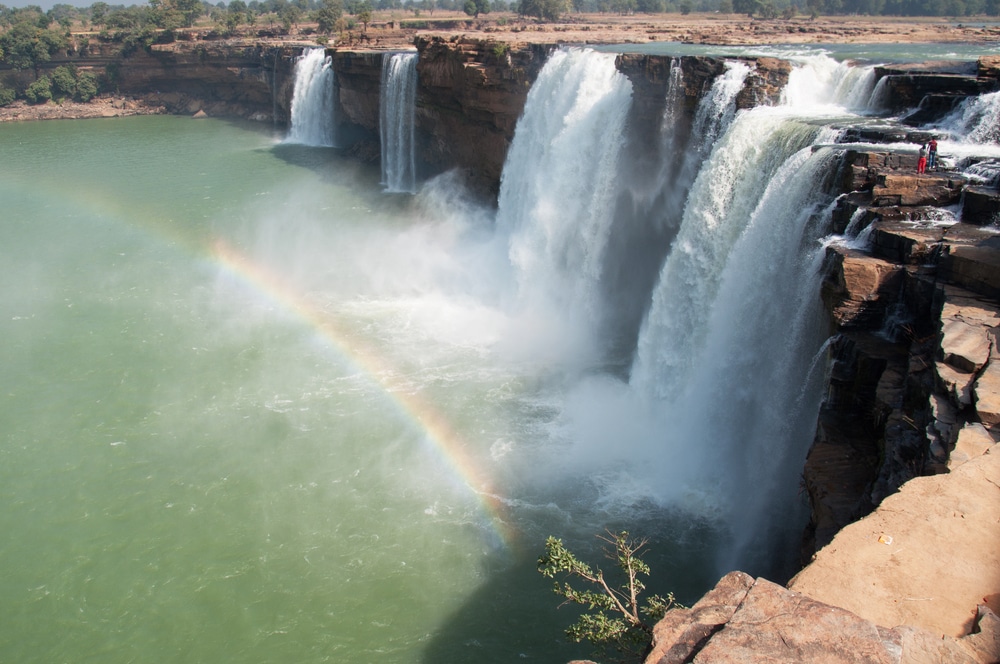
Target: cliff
x=904 y=474
x=470 y=94
x=223 y=80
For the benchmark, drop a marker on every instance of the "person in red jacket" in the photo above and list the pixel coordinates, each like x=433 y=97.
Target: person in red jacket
x=932 y=154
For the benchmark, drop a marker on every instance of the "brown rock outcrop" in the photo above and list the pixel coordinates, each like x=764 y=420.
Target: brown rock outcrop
x=859 y=287
x=914 y=570
x=753 y=620
x=470 y=95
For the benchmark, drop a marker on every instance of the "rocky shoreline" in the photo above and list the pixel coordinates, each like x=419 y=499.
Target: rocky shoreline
x=99 y=107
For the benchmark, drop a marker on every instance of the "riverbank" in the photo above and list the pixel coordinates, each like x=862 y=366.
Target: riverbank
x=98 y=107
x=392 y=32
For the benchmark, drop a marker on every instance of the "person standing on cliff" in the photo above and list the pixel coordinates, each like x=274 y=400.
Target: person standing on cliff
x=932 y=154
x=922 y=160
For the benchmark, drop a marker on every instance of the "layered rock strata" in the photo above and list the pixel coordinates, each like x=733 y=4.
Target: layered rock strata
x=223 y=80
x=471 y=93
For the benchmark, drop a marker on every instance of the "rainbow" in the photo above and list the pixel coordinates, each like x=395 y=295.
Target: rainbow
x=353 y=350
x=439 y=435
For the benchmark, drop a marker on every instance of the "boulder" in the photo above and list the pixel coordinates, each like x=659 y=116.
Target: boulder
x=681 y=632
x=981 y=206
x=956 y=384
x=916 y=189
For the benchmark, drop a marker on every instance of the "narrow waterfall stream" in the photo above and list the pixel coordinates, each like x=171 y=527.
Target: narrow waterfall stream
x=313 y=122
x=396 y=111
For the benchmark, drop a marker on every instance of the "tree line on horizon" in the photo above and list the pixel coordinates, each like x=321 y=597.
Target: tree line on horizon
x=175 y=14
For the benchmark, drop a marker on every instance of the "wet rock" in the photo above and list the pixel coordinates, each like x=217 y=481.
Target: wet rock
x=470 y=94
x=973 y=266
x=904 y=242
x=981 y=206
x=910 y=190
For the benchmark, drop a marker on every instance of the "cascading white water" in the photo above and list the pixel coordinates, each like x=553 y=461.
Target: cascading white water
x=718 y=207
x=672 y=110
x=717 y=108
x=313 y=107
x=977 y=119
x=715 y=112
x=559 y=181
x=879 y=99
x=725 y=385
x=396 y=121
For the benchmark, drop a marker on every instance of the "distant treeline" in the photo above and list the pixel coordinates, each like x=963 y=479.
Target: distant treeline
x=333 y=15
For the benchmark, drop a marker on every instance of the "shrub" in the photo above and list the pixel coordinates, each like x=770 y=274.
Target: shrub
x=616 y=621
x=39 y=92
x=6 y=96
x=63 y=82
x=86 y=87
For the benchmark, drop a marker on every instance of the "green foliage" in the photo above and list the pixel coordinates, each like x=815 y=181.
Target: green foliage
x=328 y=15
x=25 y=45
x=86 y=87
x=364 y=13
x=547 y=10
x=476 y=7
x=7 y=96
x=39 y=92
x=63 y=82
x=617 y=622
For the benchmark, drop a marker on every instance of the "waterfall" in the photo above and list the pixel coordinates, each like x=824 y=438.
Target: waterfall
x=313 y=100
x=879 y=100
x=558 y=186
x=720 y=405
x=673 y=107
x=396 y=120
x=717 y=108
x=719 y=205
x=977 y=119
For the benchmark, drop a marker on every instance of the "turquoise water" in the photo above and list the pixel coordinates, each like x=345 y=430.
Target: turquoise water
x=249 y=405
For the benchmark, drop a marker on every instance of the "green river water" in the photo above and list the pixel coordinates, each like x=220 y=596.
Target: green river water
x=194 y=469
